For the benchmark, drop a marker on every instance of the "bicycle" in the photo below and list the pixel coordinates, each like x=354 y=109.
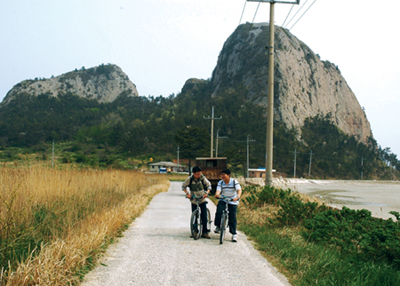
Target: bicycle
x=224 y=219
x=196 y=225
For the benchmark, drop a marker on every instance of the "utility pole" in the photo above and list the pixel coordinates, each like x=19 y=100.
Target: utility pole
x=248 y=153
x=294 y=172
x=391 y=168
x=222 y=137
x=177 y=167
x=309 y=168
x=52 y=156
x=270 y=107
x=362 y=163
x=212 y=130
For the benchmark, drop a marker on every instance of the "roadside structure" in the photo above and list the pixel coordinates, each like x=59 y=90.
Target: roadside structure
x=258 y=173
x=169 y=166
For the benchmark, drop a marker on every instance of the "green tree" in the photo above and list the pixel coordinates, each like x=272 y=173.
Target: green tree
x=193 y=142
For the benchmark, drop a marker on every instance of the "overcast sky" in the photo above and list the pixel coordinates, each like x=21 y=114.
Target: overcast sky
x=160 y=44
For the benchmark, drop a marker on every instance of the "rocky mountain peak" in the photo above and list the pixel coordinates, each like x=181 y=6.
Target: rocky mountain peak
x=103 y=83
x=305 y=86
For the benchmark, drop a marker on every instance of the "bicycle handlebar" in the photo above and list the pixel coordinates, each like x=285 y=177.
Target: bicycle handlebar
x=227 y=199
x=196 y=198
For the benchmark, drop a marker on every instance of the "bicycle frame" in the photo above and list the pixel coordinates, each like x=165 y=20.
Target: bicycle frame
x=224 y=218
x=195 y=221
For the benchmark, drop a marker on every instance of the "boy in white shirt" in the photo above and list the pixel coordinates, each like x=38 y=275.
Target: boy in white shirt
x=229 y=188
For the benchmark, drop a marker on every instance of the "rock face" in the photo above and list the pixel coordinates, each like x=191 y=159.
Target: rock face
x=103 y=83
x=304 y=85
x=192 y=83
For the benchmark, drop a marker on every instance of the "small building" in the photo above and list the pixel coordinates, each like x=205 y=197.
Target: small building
x=212 y=168
x=169 y=166
x=258 y=173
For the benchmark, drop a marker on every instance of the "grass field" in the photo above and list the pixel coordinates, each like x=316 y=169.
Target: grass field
x=55 y=223
x=176 y=177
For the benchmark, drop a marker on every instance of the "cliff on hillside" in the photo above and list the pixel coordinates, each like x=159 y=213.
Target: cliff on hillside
x=103 y=83
x=304 y=85
x=192 y=83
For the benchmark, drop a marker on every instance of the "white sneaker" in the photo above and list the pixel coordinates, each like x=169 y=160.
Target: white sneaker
x=217 y=229
x=234 y=237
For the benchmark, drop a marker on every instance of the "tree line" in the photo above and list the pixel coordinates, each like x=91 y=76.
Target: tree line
x=136 y=126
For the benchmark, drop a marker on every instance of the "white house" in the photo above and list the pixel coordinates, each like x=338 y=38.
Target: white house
x=170 y=166
x=258 y=173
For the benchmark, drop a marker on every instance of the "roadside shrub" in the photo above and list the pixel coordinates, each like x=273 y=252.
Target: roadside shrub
x=316 y=264
x=39 y=147
x=294 y=211
x=105 y=159
x=356 y=231
x=75 y=147
x=65 y=159
x=267 y=195
x=271 y=195
x=351 y=231
x=80 y=158
x=93 y=161
x=321 y=245
x=9 y=155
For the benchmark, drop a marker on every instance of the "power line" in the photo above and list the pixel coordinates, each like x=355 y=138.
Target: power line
x=303 y=14
x=288 y=15
x=297 y=13
x=251 y=25
x=258 y=6
x=244 y=7
x=248 y=153
x=295 y=157
x=177 y=165
x=212 y=130
x=219 y=137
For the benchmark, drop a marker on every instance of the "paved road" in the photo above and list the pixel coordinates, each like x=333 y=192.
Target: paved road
x=379 y=197
x=157 y=250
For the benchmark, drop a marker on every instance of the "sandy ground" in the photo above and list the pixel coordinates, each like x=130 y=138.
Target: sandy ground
x=157 y=250
x=379 y=197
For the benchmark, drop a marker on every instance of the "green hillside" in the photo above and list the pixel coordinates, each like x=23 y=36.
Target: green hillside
x=106 y=134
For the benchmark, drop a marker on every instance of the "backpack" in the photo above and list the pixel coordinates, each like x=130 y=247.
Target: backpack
x=201 y=180
x=234 y=184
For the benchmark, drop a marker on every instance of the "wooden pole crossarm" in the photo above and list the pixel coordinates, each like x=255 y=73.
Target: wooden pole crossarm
x=276 y=1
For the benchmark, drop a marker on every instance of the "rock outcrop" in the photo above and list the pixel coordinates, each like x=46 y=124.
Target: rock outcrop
x=192 y=83
x=304 y=85
x=103 y=83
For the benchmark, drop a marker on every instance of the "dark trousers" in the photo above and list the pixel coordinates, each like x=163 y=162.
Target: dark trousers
x=203 y=208
x=232 y=216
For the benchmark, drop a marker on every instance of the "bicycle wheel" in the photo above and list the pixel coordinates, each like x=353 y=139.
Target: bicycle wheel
x=195 y=224
x=209 y=221
x=223 y=228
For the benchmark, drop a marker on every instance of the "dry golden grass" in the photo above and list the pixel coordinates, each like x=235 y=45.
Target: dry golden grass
x=67 y=216
x=257 y=216
x=177 y=177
